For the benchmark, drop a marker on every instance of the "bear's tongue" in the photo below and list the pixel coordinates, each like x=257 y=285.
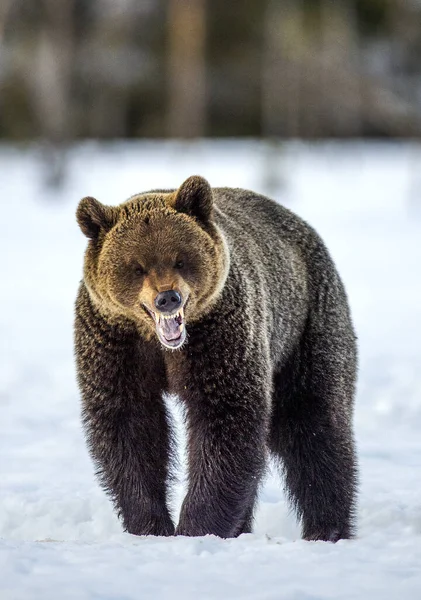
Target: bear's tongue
x=171 y=330
x=170 y=327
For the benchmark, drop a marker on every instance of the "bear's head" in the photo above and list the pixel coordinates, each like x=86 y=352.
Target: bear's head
x=158 y=259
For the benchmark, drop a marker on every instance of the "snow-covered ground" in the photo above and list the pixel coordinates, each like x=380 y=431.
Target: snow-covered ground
x=59 y=538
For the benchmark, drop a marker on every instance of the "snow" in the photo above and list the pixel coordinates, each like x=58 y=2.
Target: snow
x=59 y=537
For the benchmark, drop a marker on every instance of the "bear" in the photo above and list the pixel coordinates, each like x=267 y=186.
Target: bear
x=231 y=302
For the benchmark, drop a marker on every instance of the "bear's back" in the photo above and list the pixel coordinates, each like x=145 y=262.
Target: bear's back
x=266 y=221
x=279 y=254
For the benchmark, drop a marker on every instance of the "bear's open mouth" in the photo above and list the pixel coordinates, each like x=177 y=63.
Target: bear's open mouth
x=171 y=329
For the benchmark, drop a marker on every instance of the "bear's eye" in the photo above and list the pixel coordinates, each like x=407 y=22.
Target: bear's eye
x=139 y=270
x=179 y=264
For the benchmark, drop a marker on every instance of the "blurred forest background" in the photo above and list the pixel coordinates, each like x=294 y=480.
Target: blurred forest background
x=71 y=69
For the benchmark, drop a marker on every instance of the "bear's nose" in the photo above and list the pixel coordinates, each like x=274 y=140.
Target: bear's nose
x=167 y=302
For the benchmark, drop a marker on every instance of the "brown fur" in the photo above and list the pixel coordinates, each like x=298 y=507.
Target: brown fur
x=143 y=223
x=269 y=364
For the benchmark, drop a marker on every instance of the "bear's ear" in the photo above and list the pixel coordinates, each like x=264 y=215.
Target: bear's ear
x=194 y=198
x=93 y=217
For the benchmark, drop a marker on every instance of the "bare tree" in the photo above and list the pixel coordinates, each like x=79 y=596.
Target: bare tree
x=186 y=66
x=52 y=70
x=340 y=51
x=50 y=80
x=281 y=71
x=4 y=8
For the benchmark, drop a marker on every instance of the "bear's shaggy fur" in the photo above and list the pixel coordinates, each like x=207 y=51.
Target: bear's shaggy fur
x=268 y=364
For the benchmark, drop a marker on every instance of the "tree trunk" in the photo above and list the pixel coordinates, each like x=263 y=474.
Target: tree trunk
x=186 y=63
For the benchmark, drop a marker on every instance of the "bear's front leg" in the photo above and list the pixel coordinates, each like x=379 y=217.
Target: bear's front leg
x=227 y=409
x=122 y=379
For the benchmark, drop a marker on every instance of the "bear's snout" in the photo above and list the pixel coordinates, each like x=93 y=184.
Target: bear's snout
x=168 y=302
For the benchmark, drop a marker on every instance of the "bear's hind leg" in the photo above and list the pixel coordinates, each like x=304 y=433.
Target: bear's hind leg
x=311 y=430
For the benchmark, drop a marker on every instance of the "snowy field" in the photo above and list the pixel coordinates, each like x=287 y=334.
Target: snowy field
x=59 y=538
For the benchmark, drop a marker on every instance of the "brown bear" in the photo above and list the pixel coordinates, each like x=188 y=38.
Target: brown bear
x=231 y=302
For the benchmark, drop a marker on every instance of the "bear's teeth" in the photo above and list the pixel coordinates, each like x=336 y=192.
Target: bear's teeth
x=159 y=318
x=180 y=313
